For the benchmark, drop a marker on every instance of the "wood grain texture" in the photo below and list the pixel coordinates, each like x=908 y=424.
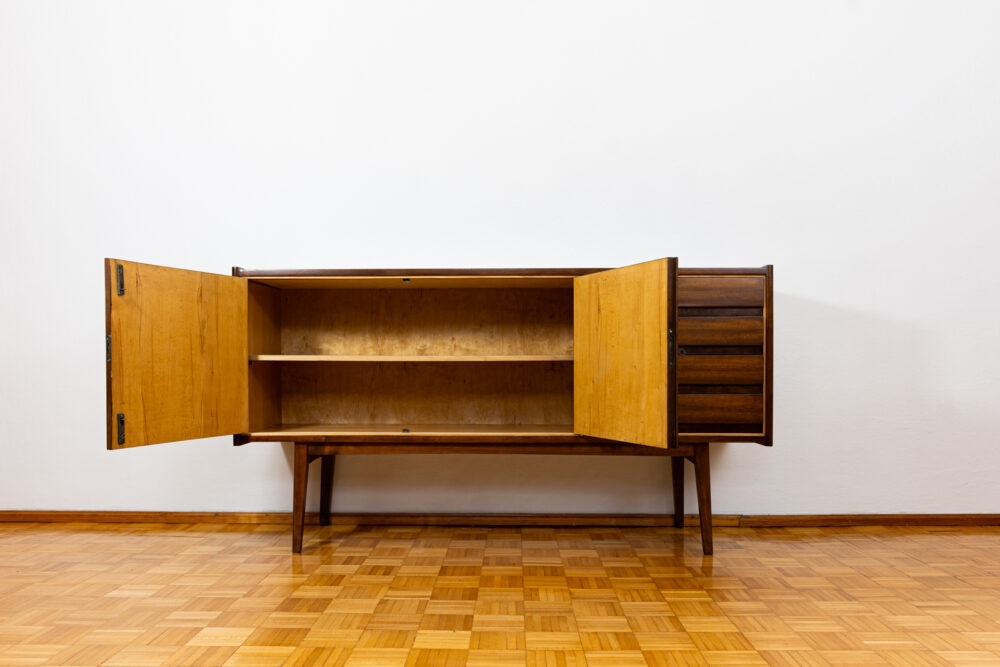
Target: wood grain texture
x=421 y=322
x=720 y=330
x=494 y=272
x=720 y=409
x=621 y=319
x=406 y=431
x=422 y=393
x=401 y=358
x=724 y=333
x=416 y=282
x=264 y=319
x=490 y=444
x=720 y=369
x=264 y=334
x=178 y=354
x=723 y=291
x=131 y=595
x=432 y=273
x=265 y=395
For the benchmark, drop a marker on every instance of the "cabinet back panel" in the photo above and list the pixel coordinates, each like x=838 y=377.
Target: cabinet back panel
x=427 y=321
x=427 y=393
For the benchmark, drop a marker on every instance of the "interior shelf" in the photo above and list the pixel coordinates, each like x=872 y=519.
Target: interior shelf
x=416 y=282
x=411 y=357
x=404 y=431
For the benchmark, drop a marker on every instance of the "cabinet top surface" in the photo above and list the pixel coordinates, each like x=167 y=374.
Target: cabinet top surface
x=429 y=278
x=402 y=273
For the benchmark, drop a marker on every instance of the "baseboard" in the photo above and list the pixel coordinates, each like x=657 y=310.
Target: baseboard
x=67 y=516
x=818 y=520
x=566 y=520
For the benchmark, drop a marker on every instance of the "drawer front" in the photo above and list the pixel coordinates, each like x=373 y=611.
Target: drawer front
x=720 y=369
x=721 y=409
x=720 y=331
x=721 y=291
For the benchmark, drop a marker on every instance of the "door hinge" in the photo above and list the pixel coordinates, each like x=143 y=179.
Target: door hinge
x=670 y=347
x=120 y=274
x=107 y=347
x=121 y=428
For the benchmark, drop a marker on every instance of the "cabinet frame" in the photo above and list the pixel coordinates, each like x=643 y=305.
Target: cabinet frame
x=740 y=300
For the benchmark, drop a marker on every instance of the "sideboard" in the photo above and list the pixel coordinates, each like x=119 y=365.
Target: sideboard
x=644 y=360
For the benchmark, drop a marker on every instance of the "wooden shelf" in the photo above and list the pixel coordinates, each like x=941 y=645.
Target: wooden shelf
x=410 y=357
x=403 y=432
x=539 y=281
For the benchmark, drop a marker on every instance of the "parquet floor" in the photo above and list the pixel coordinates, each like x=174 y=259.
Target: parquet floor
x=214 y=594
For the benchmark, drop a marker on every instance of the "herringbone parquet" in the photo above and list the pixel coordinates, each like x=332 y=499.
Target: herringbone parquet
x=213 y=594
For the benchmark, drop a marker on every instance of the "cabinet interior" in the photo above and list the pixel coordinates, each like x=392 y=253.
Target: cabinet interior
x=386 y=357
x=443 y=355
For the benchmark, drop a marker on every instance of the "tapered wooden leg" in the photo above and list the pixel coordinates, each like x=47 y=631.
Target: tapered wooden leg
x=326 y=489
x=301 y=476
x=677 y=471
x=703 y=484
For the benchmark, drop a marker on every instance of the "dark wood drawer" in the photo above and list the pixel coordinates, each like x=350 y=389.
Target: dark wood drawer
x=720 y=369
x=720 y=331
x=720 y=409
x=722 y=291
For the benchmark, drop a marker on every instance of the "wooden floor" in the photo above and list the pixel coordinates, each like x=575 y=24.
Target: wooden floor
x=216 y=594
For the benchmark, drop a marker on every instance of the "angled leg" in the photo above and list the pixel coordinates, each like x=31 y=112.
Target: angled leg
x=300 y=475
x=701 y=473
x=326 y=489
x=677 y=471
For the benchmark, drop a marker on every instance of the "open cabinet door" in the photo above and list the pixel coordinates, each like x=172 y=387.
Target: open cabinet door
x=624 y=377
x=176 y=354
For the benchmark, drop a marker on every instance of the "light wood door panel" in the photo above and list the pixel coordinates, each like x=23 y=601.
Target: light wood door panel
x=623 y=378
x=177 y=366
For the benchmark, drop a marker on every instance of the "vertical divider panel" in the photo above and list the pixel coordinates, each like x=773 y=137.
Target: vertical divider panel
x=264 y=337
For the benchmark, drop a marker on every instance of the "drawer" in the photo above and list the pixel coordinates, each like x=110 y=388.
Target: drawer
x=731 y=331
x=720 y=409
x=720 y=369
x=720 y=291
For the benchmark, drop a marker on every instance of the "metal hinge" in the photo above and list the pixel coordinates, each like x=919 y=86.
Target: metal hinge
x=121 y=429
x=120 y=273
x=670 y=347
x=107 y=347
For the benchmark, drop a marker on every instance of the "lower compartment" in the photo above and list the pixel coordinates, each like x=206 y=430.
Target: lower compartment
x=409 y=431
x=397 y=394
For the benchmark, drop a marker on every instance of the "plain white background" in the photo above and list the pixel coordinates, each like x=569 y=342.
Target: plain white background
x=854 y=145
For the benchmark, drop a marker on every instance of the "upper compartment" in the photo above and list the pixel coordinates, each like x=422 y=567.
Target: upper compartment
x=455 y=315
x=414 y=278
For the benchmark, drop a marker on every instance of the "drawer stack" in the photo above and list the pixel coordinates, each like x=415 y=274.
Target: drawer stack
x=722 y=354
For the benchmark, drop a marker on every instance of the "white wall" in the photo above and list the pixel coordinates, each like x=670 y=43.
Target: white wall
x=854 y=145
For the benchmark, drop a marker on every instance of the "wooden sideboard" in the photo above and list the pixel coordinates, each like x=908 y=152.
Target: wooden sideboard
x=646 y=360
